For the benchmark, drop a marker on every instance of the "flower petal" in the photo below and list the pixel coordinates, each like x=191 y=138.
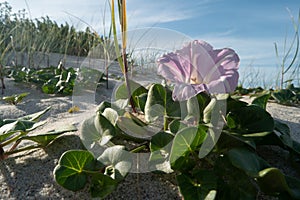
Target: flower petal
x=183 y=91
x=225 y=84
x=173 y=67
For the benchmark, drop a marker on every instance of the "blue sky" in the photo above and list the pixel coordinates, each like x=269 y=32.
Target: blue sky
x=249 y=27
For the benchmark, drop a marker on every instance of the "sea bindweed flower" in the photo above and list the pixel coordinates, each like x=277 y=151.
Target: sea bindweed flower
x=197 y=67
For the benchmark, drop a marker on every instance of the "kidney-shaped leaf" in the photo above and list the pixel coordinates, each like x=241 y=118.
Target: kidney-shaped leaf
x=250 y=119
x=117 y=160
x=185 y=142
x=71 y=169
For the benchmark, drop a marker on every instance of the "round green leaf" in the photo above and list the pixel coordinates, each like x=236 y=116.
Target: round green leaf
x=72 y=168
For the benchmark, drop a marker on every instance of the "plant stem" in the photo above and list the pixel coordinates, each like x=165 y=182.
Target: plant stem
x=21 y=149
x=14 y=146
x=138 y=149
x=122 y=62
x=165 y=123
x=7 y=142
x=127 y=81
x=124 y=55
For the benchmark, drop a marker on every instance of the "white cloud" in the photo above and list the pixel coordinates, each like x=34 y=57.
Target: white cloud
x=151 y=13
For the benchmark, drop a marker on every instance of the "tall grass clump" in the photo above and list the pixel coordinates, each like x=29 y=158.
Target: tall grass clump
x=288 y=62
x=21 y=35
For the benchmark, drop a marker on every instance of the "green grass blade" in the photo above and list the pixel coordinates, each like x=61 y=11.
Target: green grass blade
x=114 y=29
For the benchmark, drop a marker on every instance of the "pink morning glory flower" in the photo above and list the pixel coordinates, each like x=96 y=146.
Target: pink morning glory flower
x=197 y=67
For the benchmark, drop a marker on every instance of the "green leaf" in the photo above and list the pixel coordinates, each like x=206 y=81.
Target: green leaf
x=104 y=128
x=160 y=140
x=111 y=115
x=45 y=139
x=136 y=90
x=8 y=128
x=197 y=105
x=176 y=125
x=262 y=100
x=173 y=108
x=185 y=142
x=282 y=135
x=159 y=160
x=90 y=136
x=282 y=127
x=36 y=116
x=15 y=99
x=117 y=160
x=73 y=166
x=246 y=160
x=250 y=119
x=229 y=140
x=141 y=101
x=160 y=147
x=233 y=104
x=156 y=103
x=233 y=183
x=102 y=185
x=6 y=136
x=272 y=181
x=50 y=86
x=130 y=128
x=202 y=185
x=19 y=125
x=283 y=96
x=294 y=187
x=103 y=105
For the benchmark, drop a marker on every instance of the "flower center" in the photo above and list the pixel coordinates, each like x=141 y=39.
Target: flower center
x=194 y=80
